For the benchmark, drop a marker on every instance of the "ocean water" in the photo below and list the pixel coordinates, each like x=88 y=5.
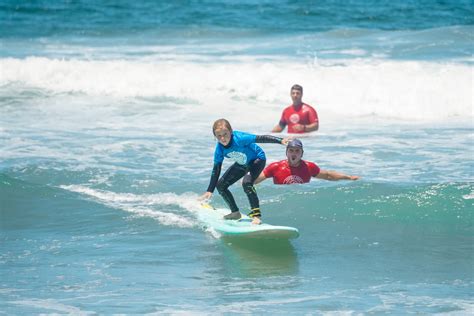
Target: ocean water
x=106 y=111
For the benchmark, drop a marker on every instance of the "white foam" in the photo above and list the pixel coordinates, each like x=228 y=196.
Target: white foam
x=53 y=305
x=413 y=90
x=141 y=204
x=165 y=218
x=469 y=196
x=414 y=302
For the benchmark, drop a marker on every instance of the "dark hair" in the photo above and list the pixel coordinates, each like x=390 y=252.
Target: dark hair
x=297 y=87
x=219 y=124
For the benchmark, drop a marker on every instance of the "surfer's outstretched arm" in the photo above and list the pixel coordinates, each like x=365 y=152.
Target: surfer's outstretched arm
x=332 y=175
x=271 y=139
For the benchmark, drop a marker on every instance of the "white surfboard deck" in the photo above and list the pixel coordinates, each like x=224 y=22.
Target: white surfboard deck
x=213 y=218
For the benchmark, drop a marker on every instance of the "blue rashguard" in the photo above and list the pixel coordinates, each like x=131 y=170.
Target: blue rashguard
x=242 y=149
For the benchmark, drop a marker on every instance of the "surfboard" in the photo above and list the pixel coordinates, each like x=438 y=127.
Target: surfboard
x=213 y=218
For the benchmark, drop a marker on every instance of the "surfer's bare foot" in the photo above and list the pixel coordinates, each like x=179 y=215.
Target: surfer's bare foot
x=256 y=221
x=233 y=215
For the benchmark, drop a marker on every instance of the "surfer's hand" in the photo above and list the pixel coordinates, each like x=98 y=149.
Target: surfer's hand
x=285 y=141
x=206 y=196
x=256 y=220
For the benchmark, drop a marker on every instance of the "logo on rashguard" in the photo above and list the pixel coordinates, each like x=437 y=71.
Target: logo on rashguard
x=292 y=180
x=238 y=157
x=294 y=118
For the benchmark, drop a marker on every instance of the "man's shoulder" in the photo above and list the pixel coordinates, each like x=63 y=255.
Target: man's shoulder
x=288 y=108
x=307 y=106
x=312 y=167
x=283 y=162
x=276 y=165
x=309 y=163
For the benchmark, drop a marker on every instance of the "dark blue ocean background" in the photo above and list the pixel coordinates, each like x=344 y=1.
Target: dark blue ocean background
x=35 y=19
x=106 y=110
x=437 y=29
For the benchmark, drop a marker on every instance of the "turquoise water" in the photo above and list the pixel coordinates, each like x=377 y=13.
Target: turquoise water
x=105 y=144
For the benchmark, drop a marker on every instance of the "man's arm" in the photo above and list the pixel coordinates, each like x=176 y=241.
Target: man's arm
x=281 y=124
x=307 y=127
x=311 y=127
x=277 y=129
x=332 y=175
x=260 y=178
x=313 y=118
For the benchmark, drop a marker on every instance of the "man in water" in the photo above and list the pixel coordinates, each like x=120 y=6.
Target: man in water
x=300 y=117
x=296 y=170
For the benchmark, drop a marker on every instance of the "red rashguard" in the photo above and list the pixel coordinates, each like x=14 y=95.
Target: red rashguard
x=283 y=173
x=305 y=115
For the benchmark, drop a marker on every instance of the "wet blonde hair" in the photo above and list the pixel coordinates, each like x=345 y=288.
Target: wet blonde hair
x=220 y=123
